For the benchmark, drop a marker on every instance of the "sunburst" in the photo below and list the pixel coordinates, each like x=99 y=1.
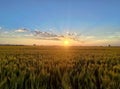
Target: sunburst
x=66 y=42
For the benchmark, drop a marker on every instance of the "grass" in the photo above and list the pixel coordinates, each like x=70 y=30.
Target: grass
x=39 y=67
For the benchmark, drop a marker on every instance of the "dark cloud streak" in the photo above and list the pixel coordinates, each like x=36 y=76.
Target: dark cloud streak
x=52 y=36
x=37 y=34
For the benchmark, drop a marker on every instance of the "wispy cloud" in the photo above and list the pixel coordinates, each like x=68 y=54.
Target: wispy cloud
x=43 y=34
x=22 y=30
x=53 y=36
x=28 y=35
x=0 y=28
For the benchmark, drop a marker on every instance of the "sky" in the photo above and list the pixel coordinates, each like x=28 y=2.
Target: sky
x=52 y=22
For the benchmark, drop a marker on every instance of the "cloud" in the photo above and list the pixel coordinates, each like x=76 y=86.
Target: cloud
x=115 y=35
x=0 y=28
x=44 y=34
x=73 y=36
x=90 y=37
x=37 y=34
x=5 y=32
x=22 y=30
x=49 y=38
x=53 y=36
x=47 y=35
x=29 y=35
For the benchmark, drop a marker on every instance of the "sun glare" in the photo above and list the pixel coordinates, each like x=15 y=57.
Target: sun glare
x=66 y=43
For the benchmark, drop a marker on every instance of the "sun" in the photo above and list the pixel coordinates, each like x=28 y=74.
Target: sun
x=66 y=43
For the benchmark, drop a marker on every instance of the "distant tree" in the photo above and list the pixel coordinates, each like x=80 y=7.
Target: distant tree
x=109 y=45
x=34 y=44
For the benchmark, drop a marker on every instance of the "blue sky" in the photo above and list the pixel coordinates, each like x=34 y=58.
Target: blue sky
x=95 y=19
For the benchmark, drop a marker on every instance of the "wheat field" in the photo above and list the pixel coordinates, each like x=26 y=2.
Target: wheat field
x=57 y=67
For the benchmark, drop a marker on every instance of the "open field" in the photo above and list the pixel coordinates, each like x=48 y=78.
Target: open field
x=47 y=67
